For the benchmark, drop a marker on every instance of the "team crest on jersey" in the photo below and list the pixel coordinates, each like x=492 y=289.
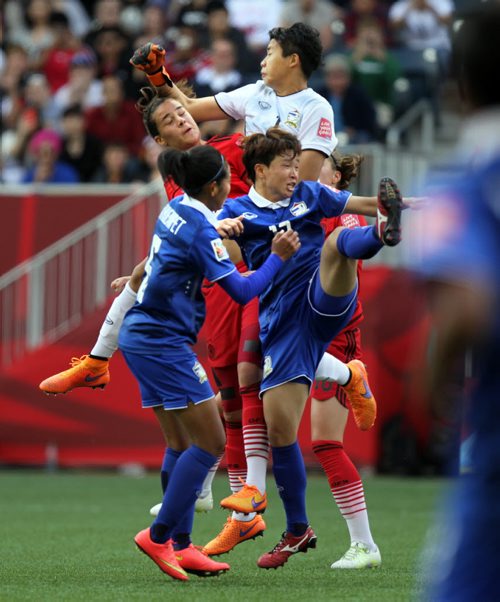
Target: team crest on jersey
x=268 y=365
x=219 y=249
x=324 y=129
x=293 y=118
x=199 y=371
x=299 y=208
x=249 y=215
x=264 y=105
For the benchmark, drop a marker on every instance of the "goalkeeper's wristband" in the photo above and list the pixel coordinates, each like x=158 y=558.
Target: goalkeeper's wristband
x=160 y=78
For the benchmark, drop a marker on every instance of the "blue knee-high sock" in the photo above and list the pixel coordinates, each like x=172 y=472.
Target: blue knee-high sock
x=290 y=476
x=184 y=484
x=169 y=459
x=181 y=535
x=359 y=243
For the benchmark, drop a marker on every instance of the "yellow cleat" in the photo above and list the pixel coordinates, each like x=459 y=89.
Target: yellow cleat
x=233 y=533
x=364 y=406
x=249 y=499
x=84 y=372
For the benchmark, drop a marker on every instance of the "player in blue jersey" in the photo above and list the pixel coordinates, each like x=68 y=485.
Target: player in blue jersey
x=157 y=334
x=461 y=267
x=306 y=304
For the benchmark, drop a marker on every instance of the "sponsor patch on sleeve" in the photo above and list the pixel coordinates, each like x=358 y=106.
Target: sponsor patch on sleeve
x=325 y=129
x=219 y=249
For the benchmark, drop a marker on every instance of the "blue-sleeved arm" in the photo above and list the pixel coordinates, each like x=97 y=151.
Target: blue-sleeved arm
x=244 y=288
x=330 y=202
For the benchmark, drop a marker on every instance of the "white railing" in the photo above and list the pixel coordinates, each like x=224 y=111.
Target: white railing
x=421 y=112
x=45 y=297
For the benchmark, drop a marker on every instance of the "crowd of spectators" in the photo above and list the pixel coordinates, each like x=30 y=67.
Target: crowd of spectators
x=68 y=90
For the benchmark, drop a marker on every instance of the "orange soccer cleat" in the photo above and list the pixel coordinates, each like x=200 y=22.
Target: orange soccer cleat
x=287 y=546
x=84 y=372
x=197 y=562
x=364 y=406
x=162 y=554
x=233 y=533
x=247 y=500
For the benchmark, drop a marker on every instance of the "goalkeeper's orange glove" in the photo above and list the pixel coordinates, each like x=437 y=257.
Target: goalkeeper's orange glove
x=150 y=58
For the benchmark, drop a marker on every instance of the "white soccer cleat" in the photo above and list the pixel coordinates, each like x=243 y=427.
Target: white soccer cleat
x=202 y=504
x=359 y=556
x=155 y=510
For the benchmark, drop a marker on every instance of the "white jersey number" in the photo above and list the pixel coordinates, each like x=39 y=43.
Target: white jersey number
x=281 y=227
x=155 y=247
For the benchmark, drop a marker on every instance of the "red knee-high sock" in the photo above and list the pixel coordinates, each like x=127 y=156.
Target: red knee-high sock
x=227 y=380
x=346 y=486
x=235 y=456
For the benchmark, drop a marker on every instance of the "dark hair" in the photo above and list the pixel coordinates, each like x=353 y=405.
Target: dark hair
x=73 y=109
x=193 y=169
x=348 y=165
x=476 y=55
x=58 y=18
x=303 y=40
x=263 y=148
x=150 y=100
x=215 y=5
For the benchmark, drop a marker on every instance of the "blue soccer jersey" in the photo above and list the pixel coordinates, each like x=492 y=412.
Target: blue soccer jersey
x=302 y=212
x=293 y=334
x=462 y=245
x=170 y=308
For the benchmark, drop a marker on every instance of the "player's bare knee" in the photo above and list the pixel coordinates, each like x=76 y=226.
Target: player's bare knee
x=248 y=374
x=330 y=251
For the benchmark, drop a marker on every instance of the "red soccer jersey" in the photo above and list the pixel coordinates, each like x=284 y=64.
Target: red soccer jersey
x=347 y=220
x=230 y=148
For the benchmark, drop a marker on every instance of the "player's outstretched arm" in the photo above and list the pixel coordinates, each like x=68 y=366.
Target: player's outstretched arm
x=150 y=58
x=367 y=205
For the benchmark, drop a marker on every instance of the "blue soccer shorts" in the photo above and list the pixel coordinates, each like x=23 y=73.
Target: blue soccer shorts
x=297 y=334
x=171 y=379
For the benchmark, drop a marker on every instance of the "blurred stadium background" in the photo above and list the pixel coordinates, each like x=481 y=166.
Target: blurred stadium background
x=74 y=221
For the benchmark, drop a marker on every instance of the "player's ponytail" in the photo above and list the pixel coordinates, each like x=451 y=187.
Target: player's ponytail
x=347 y=165
x=193 y=169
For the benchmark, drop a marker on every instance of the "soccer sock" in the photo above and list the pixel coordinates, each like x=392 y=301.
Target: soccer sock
x=169 y=460
x=184 y=483
x=107 y=341
x=359 y=243
x=347 y=489
x=332 y=369
x=290 y=476
x=255 y=436
x=207 y=483
x=235 y=456
x=227 y=382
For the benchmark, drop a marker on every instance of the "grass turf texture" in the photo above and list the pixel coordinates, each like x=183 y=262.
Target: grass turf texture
x=68 y=536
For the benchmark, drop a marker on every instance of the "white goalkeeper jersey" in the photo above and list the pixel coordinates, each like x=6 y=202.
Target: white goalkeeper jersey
x=306 y=114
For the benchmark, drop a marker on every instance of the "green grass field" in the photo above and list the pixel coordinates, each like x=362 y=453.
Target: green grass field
x=68 y=536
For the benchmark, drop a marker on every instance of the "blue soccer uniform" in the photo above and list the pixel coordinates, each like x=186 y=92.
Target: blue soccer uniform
x=158 y=331
x=294 y=333
x=465 y=220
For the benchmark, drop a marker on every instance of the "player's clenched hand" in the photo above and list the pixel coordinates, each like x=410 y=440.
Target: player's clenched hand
x=230 y=227
x=150 y=58
x=120 y=283
x=285 y=244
